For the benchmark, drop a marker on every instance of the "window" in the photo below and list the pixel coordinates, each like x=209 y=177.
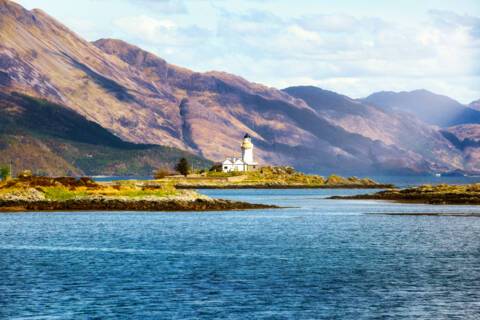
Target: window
x=225 y=167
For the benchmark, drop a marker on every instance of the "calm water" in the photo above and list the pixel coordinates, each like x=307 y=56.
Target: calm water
x=320 y=259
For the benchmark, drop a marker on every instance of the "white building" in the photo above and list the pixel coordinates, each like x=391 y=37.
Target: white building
x=246 y=163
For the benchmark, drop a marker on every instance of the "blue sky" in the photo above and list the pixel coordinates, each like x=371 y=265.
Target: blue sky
x=352 y=47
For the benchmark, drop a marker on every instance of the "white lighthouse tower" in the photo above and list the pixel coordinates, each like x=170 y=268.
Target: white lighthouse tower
x=246 y=163
x=247 y=150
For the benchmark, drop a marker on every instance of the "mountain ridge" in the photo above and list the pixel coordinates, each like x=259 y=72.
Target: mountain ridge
x=430 y=107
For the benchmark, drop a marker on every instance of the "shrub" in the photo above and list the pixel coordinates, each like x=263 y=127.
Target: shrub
x=4 y=172
x=161 y=173
x=217 y=167
x=25 y=174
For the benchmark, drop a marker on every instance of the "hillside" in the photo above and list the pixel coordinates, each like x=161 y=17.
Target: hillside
x=141 y=98
x=430 y=107
x=50 y=139
x=466 y=138
x=414 y=137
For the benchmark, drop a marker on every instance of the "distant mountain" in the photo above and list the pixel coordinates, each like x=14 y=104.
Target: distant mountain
x=466 y=138
x=402 y=130
x=47 y=138
x=475 y=104
x=140 y=98
x=430 y=107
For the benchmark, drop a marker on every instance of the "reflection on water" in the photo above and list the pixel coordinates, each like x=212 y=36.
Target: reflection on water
x=318 y=258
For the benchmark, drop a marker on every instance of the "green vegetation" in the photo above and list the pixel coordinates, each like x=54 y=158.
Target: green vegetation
x=183 y=167
x=272 y=177
x=61 y=193
x=4 y=172
x=53 y=140
x=221 y=174
x=34 y=193
x=67 y=188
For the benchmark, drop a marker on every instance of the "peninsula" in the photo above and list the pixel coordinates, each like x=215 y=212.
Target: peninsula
x=83 y=194
x=468 y=194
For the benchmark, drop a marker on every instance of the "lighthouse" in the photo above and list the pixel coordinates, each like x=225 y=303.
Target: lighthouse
x=247 y=149
x=246 y=162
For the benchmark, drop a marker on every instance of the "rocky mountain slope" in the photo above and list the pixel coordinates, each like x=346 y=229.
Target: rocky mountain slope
x=51 y=139
x=467 y=139
x=403 y=130
x=141 y=98
x=429 y=107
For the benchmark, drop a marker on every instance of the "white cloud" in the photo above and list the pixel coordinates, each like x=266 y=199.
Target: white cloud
x=160 y=32
x=166 y=7
x=350 y=54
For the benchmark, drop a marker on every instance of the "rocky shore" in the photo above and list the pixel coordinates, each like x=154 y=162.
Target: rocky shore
x=440 y=194
x=113 y=204
x=70 y=194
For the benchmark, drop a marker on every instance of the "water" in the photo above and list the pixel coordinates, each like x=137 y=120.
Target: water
x=318 y=259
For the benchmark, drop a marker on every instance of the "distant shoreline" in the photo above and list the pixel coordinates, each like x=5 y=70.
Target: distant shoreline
x=278 y=186
x=426 y=214
x=442 y=194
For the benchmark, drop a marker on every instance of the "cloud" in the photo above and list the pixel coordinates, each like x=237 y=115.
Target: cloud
x=167 y=7
x=351 y=54
x=447 y=20
x=161 y=32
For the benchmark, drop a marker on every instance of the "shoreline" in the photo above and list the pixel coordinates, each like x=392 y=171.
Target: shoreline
x=282 y=186
x=200 y=204
x=427 y=214
x=427 y=194
x=71 y=194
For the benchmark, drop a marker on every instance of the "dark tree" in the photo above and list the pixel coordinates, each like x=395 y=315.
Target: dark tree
x=183 y=167
x=4 y=172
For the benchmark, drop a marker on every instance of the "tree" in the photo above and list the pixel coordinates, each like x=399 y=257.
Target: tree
x=183 y=167
x=4 y=172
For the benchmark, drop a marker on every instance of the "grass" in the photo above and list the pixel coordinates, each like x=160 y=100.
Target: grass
x=283 y=176
x=62 y=193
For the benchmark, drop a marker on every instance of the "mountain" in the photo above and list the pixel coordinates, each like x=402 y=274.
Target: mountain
x=402 y=130
x=140 y=98
x=47 y=138
x=430 y=107
x=475 y=104
x=466 y=138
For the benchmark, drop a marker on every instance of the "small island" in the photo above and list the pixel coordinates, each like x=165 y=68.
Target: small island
x=31 y=193
x=269 y=177
x=468 y=194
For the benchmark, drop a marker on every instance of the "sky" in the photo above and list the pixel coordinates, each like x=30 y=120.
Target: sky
x=348 y=46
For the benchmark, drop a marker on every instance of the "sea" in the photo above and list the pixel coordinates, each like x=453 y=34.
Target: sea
x=313 y=259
